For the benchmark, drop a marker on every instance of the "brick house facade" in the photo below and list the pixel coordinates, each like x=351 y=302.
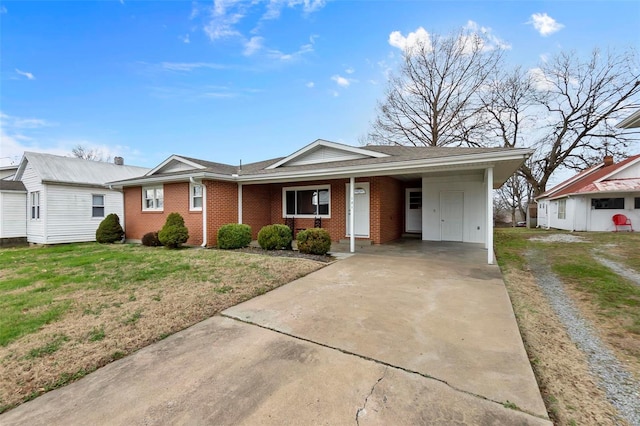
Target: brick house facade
x=313 y=187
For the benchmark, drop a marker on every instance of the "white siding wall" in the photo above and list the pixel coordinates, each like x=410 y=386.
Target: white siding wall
x=543 y=214
x=69 y=212
x=35 y=228
x=629 y=172
x=475 y=207
x=566 y=223
x=581 y=206
x=13 y=207
x=324 y=154
x=601 y=220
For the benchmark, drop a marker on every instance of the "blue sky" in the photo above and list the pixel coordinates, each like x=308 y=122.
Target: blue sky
x=243 y=80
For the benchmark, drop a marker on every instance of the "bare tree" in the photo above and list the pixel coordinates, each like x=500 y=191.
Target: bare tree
x=86 y=153
x=433 y=101
x=514 y=197
x=565 y=109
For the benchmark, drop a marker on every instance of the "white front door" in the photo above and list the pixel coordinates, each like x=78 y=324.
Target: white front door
x=413 y=208
x=361 y=207
x=451 y=215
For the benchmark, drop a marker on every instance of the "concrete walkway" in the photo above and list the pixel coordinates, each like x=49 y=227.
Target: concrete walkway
x=412 y=336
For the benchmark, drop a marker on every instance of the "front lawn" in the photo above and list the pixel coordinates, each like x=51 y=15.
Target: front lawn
x=67 y=310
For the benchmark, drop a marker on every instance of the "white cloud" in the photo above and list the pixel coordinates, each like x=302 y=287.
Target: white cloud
x=350 y=70
x=276 y=54
x=190 y=66
x=485 y=37
x=419 y=37
x=29 y=75
x=545 y=24
x=253 y=45
x=185 y=38
x=341 y=81
x=310 y=85
x=540 y=80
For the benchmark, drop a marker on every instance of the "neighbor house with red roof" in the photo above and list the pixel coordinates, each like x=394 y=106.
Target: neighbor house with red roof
x=588 y=200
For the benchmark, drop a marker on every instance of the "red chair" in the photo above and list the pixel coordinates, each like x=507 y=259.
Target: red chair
x=621 y=220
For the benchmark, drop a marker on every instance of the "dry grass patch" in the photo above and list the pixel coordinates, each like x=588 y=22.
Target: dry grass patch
x=67 y=310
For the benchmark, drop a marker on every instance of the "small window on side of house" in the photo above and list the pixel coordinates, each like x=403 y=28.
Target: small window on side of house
x=636 y=203
x=562 y=209
x=97 y=205
x=35 y=205
x=152 y=198
x=607 y=203
x=195 y=197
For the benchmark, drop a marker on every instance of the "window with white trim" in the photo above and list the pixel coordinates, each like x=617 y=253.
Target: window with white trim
x=562 y=209
x=97 y=205
x=195 y=197
x=607 y=203
x=152 y=198
x=307 y=201
x=35 y=205
x=636 y=203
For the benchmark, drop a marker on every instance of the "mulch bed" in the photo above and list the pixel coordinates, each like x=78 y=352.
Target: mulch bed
x=287 y=253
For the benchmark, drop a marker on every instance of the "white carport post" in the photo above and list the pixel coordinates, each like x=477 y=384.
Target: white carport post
x=239 y=203
x=352 y=221
x=490 y=215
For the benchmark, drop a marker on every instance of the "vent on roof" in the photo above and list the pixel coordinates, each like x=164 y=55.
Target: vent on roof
x=118 y=161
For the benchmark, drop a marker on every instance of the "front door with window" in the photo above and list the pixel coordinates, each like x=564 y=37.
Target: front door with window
x=451 y=215
x=413 y=208
x=361 y=208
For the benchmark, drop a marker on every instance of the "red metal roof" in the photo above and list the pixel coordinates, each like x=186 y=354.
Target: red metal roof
x=593 y=180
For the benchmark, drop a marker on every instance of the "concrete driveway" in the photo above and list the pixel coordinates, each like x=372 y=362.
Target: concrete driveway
x=414 y=334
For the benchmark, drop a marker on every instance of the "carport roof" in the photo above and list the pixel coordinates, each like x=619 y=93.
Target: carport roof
x=324 y=159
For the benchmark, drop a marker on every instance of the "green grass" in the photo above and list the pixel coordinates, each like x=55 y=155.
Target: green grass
x=49 y=348
x=574 y=263
x=37 y=284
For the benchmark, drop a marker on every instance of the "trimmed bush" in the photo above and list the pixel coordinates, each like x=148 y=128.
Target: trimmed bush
x=174 y=233
x=275 y=237
x=150 y=239
x=109 y=231
x=314 y=241
x=234 y=236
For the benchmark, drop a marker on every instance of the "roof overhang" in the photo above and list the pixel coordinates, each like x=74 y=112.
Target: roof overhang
x=630 y=122
x=505 y=163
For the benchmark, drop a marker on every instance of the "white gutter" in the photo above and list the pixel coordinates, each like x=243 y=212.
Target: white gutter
x=490 y=215
x=352 y=219
x=204 y=209
x=239 y=203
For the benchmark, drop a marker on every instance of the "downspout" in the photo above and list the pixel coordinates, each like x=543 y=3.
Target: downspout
x=204 y=209
x=490 y=215
x=352 y=220
x=239 y=202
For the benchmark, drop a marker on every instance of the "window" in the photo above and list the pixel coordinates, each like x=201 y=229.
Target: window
x=636 y=203
x=152 y=198
x=97 y=206
x=562 y=209
x=196 y=197
x=307 y=201
x=35 y=205
x=607 y=203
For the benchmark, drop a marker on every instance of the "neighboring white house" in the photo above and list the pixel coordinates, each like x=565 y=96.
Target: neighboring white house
x=588 y=200
x=13 y=209
x=7 y=172
x=66 y=198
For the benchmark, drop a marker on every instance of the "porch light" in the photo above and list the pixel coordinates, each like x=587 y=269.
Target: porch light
x=359 y=191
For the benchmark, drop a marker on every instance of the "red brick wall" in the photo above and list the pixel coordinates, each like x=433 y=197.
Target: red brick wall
x=387 y=197
x=222 y=207
x=176 y=199
x=256 y=207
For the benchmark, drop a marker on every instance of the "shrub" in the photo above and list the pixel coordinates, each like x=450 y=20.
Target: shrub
x=314 y=241
x=109 y=231
x=150 y=239
x=234 y=236
x=273 y=237
x=173 y=234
